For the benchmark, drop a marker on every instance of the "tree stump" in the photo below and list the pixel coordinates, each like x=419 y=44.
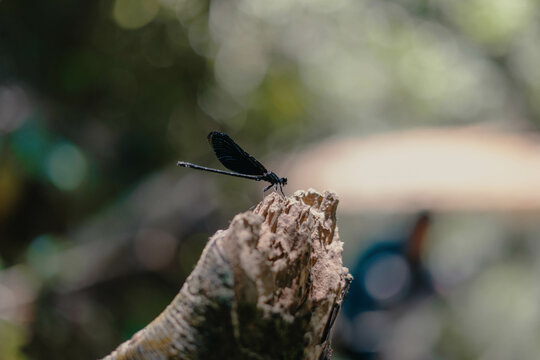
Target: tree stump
x=268 y=287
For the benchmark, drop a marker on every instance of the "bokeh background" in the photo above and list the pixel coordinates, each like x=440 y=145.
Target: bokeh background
x=99 y=99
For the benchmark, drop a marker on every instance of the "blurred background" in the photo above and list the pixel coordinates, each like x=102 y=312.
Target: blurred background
x=421 y=115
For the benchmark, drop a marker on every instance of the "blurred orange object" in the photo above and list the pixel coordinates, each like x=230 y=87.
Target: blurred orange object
x=440 y=168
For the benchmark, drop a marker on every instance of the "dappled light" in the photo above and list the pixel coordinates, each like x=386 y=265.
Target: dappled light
x=403 y=108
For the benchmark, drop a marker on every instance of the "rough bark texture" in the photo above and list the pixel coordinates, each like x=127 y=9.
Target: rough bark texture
x=268 y=287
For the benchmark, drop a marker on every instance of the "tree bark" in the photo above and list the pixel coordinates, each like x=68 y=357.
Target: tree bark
x=268 y=287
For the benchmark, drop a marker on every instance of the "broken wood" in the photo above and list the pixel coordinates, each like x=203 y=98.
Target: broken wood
x=268 y=287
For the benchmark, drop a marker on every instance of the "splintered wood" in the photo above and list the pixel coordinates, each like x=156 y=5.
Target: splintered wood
x=268 y=287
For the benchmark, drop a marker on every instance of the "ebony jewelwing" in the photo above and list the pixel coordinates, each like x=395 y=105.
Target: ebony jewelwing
x=234 y=158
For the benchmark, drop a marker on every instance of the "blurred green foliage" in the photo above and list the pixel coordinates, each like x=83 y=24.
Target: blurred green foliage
x=96 y=98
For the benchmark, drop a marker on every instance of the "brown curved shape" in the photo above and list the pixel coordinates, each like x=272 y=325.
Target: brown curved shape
x=268 y=287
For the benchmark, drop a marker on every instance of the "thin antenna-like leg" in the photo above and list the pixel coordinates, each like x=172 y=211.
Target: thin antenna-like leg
x=281 y=188
x=266 y=188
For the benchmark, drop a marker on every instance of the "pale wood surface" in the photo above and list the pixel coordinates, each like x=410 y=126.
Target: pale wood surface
x=268 y=287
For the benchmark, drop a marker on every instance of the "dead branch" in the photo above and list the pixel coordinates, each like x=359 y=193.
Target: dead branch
x=268 y=287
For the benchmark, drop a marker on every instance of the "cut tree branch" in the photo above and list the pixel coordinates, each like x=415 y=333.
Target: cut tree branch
x=268 y=287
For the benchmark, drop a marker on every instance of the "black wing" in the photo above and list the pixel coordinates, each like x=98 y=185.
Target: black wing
x=233 y=157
